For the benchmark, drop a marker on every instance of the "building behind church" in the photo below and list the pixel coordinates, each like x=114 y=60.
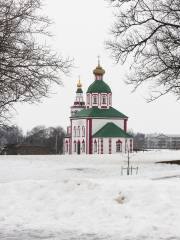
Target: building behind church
x=162 y=141
x=95 y=126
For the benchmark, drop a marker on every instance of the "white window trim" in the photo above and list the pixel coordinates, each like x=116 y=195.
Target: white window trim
x=75 y=146
x=95 y=147
x=78 y=131
x=74 y=131
x=83 y=131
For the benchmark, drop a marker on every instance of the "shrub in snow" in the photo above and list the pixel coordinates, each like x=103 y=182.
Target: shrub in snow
x=120 y=199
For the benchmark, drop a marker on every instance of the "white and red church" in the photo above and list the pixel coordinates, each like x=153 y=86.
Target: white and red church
x=95 y=126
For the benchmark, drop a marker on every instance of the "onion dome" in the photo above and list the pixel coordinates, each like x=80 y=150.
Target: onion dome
x=99 y=86
x=79 y=84
x=79 y=87
x=99 y=70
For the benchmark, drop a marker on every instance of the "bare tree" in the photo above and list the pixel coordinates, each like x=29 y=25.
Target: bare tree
x=27 y=67
x=51 y=138
x=11 y=135
x=147 y=33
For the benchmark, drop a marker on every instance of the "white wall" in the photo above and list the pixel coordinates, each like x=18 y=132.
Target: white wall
x=99 y=123
x=113 y=145
x=106 y=145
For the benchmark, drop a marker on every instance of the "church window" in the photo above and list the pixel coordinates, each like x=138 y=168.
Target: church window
x=131 y=145
x=74 y=146
x=88 y=99
x=110 y=100
x=118 y=146
x=68 y=130
x=110 y=145
x=101 y=145
x=83 y=146
x=104 y=99
x=74 y=131
x=67 y=147
x=94 y=99
x=78 y=131
x=126 y=146
x=95 y=146
x=83 y=131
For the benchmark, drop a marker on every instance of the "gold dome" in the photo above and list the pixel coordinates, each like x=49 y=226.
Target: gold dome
x=99 y=70
x=79 y=84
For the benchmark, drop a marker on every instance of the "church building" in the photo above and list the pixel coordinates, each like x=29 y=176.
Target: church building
x=95 y=126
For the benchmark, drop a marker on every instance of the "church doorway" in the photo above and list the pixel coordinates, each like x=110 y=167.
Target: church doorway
x=78 y=148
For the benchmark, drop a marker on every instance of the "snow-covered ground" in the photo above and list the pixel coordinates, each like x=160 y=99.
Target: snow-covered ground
x=86 y=197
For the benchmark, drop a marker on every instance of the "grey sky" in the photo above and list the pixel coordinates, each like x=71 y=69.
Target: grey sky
x=80 y=29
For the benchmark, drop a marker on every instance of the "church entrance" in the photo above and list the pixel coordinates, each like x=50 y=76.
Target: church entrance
x=78 y=148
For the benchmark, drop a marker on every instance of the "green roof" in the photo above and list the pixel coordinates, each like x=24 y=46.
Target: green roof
x=99 y=86
x=79 y=90
x=111 y=130
x=99 y=113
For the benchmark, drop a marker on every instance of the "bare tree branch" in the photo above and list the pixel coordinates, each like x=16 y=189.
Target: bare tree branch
x=148 y=33
x=27 y=68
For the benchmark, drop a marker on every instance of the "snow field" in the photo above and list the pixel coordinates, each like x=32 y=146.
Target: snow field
x=89 y=195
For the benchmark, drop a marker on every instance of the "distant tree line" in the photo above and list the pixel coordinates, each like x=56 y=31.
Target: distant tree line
x=51 y=137
x=139 y=141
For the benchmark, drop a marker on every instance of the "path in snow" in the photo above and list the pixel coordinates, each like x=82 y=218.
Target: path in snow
x=42 y=235
x=36 y=235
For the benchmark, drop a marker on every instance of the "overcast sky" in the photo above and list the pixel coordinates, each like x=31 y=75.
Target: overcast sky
x=80 y=29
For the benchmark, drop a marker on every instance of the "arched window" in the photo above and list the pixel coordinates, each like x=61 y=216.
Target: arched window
x=67 y=147
x=75 y=148
x=119 y=146
x=95 y=146
x=110 y=100
x=126 y=146
x=101 y=145
x=83 y=131
x=131 y=145
x=74 y=131
x=110 y=145
x=88 y=99
x=95 y=99
x=104 y=99
x=83 y=146
x=78 y=131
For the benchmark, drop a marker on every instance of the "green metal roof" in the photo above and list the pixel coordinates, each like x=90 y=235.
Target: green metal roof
x=79 y=90
x=111 y=130
x=99 y=86
x=95 y=112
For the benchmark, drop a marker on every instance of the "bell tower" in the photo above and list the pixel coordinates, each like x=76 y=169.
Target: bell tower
x=79 y=103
